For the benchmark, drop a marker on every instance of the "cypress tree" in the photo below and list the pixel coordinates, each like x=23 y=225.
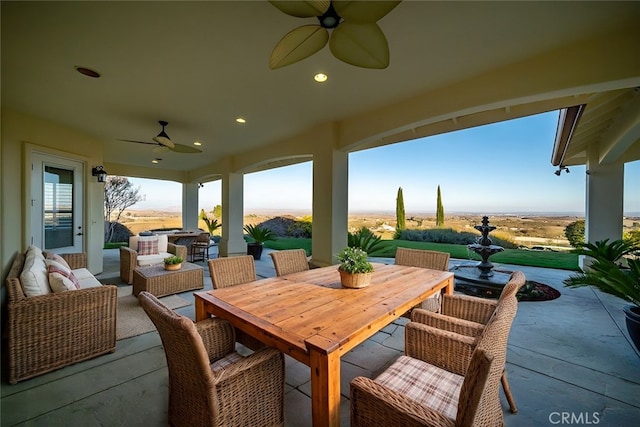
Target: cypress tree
x=400 y=218
x=439 y=210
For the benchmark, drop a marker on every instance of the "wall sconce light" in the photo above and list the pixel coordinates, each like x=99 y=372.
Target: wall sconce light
x=560 y=169
x=100 y=173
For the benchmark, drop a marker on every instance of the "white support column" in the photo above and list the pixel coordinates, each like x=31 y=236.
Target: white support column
x=604 y=199
x=190 y=206
x=232 y=242
x=330 y=204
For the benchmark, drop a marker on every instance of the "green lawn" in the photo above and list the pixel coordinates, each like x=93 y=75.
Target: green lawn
x=559 y=260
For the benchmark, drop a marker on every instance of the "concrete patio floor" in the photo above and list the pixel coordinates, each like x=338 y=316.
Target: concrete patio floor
x=570 y=361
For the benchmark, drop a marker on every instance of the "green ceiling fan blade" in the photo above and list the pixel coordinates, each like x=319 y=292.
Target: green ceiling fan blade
x=363 y=12
x=302 y=9
x=362 y=45
x=297 y=45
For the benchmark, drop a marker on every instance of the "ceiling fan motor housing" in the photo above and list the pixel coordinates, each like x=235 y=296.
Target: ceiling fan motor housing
x=330 y=19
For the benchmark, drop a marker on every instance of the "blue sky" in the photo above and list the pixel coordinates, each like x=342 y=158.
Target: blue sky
x=499 y=168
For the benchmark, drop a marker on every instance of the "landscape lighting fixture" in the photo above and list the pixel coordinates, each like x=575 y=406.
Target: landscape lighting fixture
x=100 y=173
x=560 y=169
x=241 y=120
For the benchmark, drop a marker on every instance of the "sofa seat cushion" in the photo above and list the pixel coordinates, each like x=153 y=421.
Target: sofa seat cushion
x=144 y=260
x=86 y=279
x=34 y=277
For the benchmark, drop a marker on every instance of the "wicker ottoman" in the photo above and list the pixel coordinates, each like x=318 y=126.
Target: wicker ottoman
x=159 y=282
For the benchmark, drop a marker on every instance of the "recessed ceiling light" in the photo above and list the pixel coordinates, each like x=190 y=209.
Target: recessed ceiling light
x=156 y=161
x=241 y=120
x=197 y=143
x=87 y=72
x=320 y=77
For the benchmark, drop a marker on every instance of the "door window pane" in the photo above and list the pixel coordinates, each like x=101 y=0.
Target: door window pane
x=58 y=207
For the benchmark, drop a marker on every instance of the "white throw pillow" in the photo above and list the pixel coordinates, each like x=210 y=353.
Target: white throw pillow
x=34 y=277
x=61 y=278
x=133 y=242
x=60 y=283
x=163 y=241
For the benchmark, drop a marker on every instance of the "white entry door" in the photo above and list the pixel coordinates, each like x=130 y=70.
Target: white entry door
x=57 y=203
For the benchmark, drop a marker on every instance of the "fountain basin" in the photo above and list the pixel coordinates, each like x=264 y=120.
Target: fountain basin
x=470 y=275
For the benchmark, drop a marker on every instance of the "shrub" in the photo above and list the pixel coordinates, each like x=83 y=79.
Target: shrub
x=448 y=235
x=632 y=237
x=288 y=226
x=575 y=233
x=365 y=240
x=300 y=228
x=119 y=232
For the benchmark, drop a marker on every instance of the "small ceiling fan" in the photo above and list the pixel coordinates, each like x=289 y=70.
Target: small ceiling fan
x=164 y=143
x=355 y=36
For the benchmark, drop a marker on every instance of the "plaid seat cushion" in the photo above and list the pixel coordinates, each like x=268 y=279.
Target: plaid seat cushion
x=229 y=359
x=424 y=383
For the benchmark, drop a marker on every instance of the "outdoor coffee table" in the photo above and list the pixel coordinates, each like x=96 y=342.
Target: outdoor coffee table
x=159 y=282
x=312 y=318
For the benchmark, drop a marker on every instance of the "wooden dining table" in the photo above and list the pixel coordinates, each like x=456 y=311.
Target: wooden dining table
x=312 y=318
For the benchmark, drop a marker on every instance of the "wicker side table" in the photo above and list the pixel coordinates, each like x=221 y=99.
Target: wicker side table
x=159 y=282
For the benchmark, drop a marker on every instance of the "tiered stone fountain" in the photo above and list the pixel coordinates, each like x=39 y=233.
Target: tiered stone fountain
x=482 y=275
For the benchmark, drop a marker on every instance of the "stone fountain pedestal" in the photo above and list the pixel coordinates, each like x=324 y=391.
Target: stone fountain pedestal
x=481 y=276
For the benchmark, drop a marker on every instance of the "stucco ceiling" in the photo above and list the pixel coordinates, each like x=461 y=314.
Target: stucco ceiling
x=199 y=65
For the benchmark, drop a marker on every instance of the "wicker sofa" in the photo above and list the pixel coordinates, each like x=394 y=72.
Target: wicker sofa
x=55 y=329
x=130 y=258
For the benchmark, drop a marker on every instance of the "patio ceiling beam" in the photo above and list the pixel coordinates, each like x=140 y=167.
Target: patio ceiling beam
x=623 y=133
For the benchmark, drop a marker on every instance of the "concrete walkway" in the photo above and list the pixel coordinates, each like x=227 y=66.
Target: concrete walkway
x=569 y=361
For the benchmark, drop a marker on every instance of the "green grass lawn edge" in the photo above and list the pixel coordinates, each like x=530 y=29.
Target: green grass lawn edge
x=544 y=259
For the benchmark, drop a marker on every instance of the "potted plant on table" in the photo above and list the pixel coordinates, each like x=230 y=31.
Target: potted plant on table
x=258 y=235
x=355 y=269
x=615 y=269
x=173 y=263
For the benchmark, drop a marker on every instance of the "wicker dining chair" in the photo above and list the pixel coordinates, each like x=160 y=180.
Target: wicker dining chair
x=290 y=261
x=468 y=315
x=200 y=247
x=425 y=259
x=231 y=271
x=445 y=379
x=209 y=383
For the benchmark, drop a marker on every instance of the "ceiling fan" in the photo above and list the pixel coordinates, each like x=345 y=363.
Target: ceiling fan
x=164 y=143
x=355 y=38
